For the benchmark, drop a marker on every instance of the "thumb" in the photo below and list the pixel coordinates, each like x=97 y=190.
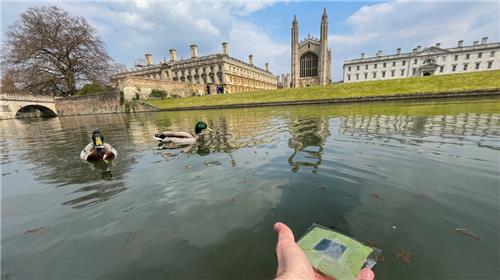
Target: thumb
x=366 y=274
x=284 y=232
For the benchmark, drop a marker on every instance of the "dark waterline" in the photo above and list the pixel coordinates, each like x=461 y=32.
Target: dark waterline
x=207 y=212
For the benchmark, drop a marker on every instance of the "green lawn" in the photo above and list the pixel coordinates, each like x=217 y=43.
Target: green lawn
x=431 y=84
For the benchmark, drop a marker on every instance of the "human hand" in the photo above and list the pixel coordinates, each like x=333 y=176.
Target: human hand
x=293 y=263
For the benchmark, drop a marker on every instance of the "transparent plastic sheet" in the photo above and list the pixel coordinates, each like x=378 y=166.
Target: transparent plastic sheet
x=335 y=254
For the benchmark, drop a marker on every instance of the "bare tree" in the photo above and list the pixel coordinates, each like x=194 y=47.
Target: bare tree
x=53 y=53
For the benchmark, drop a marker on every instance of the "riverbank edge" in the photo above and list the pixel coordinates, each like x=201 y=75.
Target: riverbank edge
x=377 y=98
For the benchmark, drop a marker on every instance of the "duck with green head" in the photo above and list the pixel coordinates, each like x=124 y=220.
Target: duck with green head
x=181 y=137
x=97 y=149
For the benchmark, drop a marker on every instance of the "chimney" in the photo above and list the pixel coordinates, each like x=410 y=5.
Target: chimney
x=414 y=50
x=224 y=48
x=438 y=45
x=267 y=66
x=173 y=54
x=149 y=59
x=419 y=48
x=398 y=51
x=475 y=43
x=250 y=59
x=362 y=55
x=460 y=43
x=194 y=51
x=379 y=53
x=484 y=40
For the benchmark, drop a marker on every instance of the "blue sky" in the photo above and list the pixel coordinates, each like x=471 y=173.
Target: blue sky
x=262 y=28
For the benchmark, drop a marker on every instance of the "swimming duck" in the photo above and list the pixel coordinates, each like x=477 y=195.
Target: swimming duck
x=97 y=149
x=181 y=137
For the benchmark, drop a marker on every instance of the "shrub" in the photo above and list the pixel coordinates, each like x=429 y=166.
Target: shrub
x=91 y=89
x=158 y=93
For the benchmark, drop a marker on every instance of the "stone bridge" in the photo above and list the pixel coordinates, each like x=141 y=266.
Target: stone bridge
x=12 y=104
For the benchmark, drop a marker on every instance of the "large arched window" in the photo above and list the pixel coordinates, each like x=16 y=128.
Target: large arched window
x=308 y=65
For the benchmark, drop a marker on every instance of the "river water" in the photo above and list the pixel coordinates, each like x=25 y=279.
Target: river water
x=400 y=176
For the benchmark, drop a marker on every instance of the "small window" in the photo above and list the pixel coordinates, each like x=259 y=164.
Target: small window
x=444 y=58
x=456 y=57
x=349 y=68
x=375 y=66
x=357 y=67
x=454 y=68
x=414 y=71
x=467 y=56
x=385 y=64
x=404 y=62
x=415 y=61
x=393 y=63
x=357 y=76
x=402 y=72
x=374 y=74
x=479 y=55
x=366 y=75
x=441 y=69
x=348 y=77
x=477 y=66
x=492 y=54
x=465 y=66
x=393 y=72
x=383 y=74
x=490 y=63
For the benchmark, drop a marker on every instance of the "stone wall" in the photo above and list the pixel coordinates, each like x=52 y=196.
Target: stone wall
x=133 y=87
x=102 y=103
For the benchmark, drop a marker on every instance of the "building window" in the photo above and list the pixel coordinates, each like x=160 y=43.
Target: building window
x=392 y=73
x=467 y=56
x=465 y=66
x=492 y=54
x=454 y=67
x=374 y=74
x=366 y=76
x=375 y=66
x=479 y=55
x=393 y=63
x=357 y=76
x=349 y=68
x=357 y=67
x=404 y=62
x=366 y=66
x=348 y=77
x=383 y=74
x=308 y=65
x=415 y=61
x=441 y=69
x=385 y=64
x=456 y=57
x=414 y=71
x=444 y=58
x=490 y=63
x=477 y=66
x=402 y=72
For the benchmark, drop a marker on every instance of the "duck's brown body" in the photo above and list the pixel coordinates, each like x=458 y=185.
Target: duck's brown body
x=90 y=153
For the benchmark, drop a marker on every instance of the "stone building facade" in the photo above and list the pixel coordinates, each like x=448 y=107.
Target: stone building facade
x=480 y=56
x=217 y=73
x=311 y=57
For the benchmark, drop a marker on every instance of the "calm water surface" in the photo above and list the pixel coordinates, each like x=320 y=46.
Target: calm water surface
x=401 y=176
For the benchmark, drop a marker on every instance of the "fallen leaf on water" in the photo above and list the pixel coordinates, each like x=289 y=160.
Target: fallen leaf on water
x=234 y=199
x=31 y=231
x=376 y=195
x=380 y=259
x=403 y=256
x=215 y=162
x=370 y=243
x=322 y=188
x=465 y=232
x=189 y=166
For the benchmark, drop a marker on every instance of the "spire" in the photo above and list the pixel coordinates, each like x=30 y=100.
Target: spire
x=325 y=15
x=295 y=19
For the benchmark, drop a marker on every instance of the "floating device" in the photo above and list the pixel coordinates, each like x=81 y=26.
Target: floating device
x=335 y=254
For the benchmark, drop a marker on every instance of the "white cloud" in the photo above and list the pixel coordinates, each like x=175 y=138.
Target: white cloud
x=387 y=26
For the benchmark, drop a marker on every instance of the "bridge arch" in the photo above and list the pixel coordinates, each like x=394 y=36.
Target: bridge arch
x=44 y=111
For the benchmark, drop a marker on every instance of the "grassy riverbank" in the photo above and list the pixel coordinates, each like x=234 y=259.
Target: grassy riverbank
x=424 y=85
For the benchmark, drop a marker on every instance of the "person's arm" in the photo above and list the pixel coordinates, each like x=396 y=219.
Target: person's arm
x=293 y=263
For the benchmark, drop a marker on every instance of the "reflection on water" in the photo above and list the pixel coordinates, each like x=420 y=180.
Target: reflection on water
x=206 y=211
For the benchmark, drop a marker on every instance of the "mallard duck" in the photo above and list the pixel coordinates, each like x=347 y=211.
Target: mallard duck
x=97 y=149
x=181 y=137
